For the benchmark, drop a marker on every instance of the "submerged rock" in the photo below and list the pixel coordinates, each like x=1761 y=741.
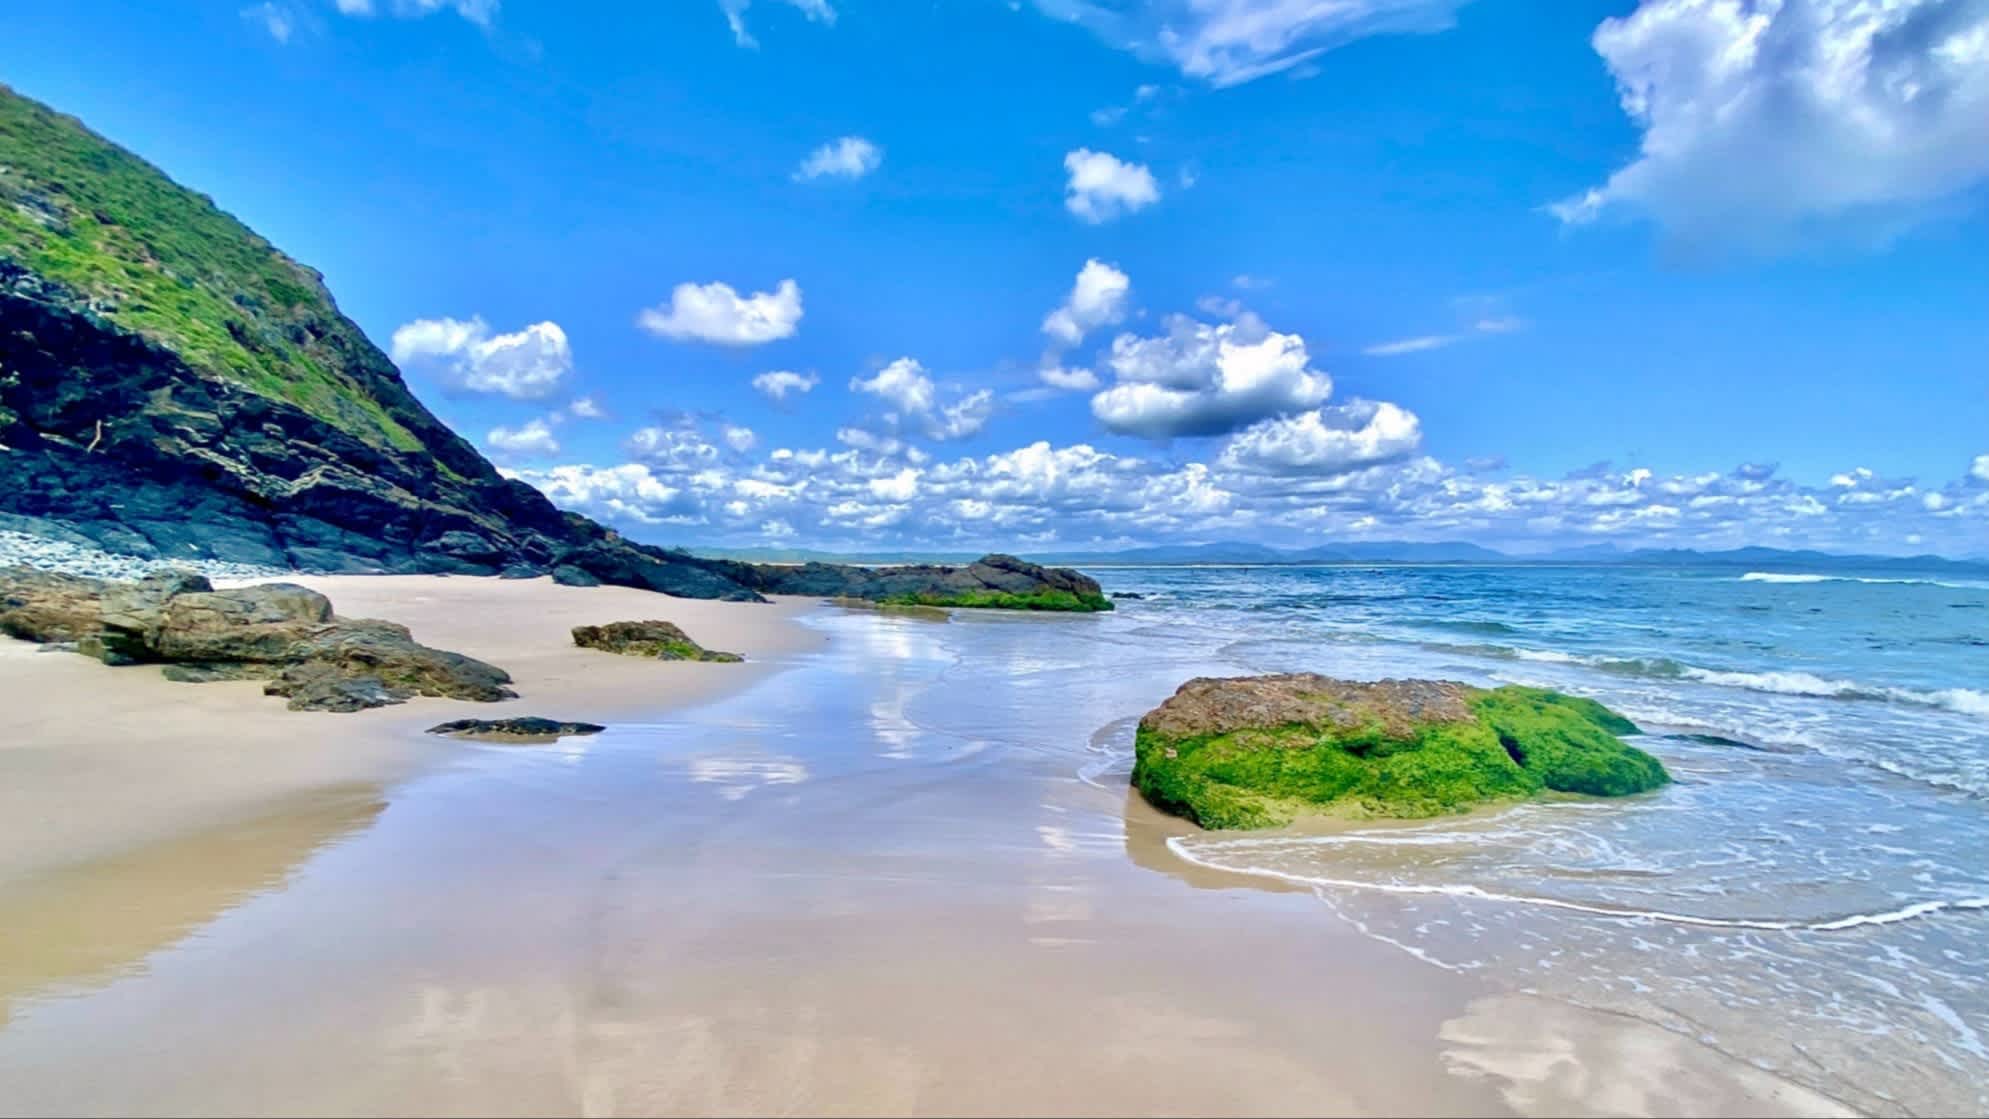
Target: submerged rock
x=1261 y=751
x=279 y=632
x=658 y=639
x=526 y=727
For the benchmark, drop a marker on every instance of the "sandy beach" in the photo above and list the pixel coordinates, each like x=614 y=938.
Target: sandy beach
x=98 y=760
x=888 y=866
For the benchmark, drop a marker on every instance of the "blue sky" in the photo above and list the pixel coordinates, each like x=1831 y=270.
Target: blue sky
x=1685 y=272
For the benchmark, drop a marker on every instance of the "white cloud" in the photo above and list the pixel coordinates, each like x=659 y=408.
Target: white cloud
x=1102 y=187
x=851 y=157
x=277 y=19
x=1483 y=323
x=1979 y=469
x=479 y=12
x=1070 y=379
x=1108 y=116
x=1763 y=118
x=1351 y=473
x=1226 y=42
x=526 y=365
x=1410 y=345
x=777 y=384
x=903 y=384
x=1327 y=440
x=534 y=438
x=963 y=418
x=1202 y=379
x=817 y=11
x=741 y=439
x=586 y=408
x=902 y=486
x=1097 y=298
x=914 y=400
x=717 y=314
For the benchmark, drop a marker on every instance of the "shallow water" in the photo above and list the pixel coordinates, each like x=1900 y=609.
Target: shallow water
x=907 y=874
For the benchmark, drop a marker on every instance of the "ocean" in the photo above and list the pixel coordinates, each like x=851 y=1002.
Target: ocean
x=1812 y=895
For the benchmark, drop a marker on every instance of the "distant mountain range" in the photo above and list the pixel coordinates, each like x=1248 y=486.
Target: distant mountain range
x=1412 y=552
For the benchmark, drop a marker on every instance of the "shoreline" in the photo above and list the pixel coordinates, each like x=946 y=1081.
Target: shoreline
x=101 y=761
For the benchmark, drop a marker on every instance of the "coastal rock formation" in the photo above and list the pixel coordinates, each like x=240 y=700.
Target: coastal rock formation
x=1261 y=751
x=662 y=640
x=998 y=581
x=525 y=728
x=285 y=634
x=172 y=386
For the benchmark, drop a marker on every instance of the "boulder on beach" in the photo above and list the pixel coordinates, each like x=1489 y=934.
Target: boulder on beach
x=1262 y=751
x=662 y=640
x=277 y=632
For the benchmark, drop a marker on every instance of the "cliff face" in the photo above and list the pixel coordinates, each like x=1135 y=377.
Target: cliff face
x=171 y=385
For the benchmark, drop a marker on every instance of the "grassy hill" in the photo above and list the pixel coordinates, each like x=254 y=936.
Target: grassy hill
x=165 y=262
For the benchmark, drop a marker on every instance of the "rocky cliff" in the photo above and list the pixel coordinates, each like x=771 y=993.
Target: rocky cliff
x=172 y=385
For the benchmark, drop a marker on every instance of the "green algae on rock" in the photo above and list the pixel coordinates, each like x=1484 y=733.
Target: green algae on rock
x=1261 y=751
x=661 y=640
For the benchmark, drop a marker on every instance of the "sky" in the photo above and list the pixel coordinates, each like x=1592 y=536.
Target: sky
x=1079 y=274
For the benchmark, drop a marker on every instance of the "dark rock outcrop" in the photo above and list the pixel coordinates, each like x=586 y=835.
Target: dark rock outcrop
x=1260 y=751
x=526 y=728
x=998 y=581
x=660 y=640
x=285 y=634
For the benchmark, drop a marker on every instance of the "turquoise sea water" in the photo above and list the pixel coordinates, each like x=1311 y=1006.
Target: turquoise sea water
x=1813 y=893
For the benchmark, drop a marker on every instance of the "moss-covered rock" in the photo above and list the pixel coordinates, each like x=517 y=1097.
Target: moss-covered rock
x=661 y=640
x=1261 y=751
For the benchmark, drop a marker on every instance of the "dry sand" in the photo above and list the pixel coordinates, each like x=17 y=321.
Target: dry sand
x=97 y=760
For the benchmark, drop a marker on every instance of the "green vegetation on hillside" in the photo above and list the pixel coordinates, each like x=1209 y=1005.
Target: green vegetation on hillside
x=162 y=261
x=1523 y=740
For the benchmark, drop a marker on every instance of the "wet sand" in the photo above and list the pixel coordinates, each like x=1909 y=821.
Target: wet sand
x=97 y=760
x=899 y=872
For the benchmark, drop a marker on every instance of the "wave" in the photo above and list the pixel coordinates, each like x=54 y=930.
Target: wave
x=1179 y=845
x=1799 y=577
x=1963 y=701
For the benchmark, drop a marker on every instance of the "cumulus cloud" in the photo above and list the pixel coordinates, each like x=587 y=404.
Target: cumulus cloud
x=914 y=401
x=777 y=384
x=1227 y=42
x=1097 y=298
x=586 y=408
x=1327 y=440
x=1068 y=378
x=1101 y=187
x=851 y=157
x=1350 y=474
x=817 y=11
x=1204 y=379
x=1979 y=469
x=903 y=384
x=534 y=438
x=1759 y=118
x=527 y=365
x=717 y=314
